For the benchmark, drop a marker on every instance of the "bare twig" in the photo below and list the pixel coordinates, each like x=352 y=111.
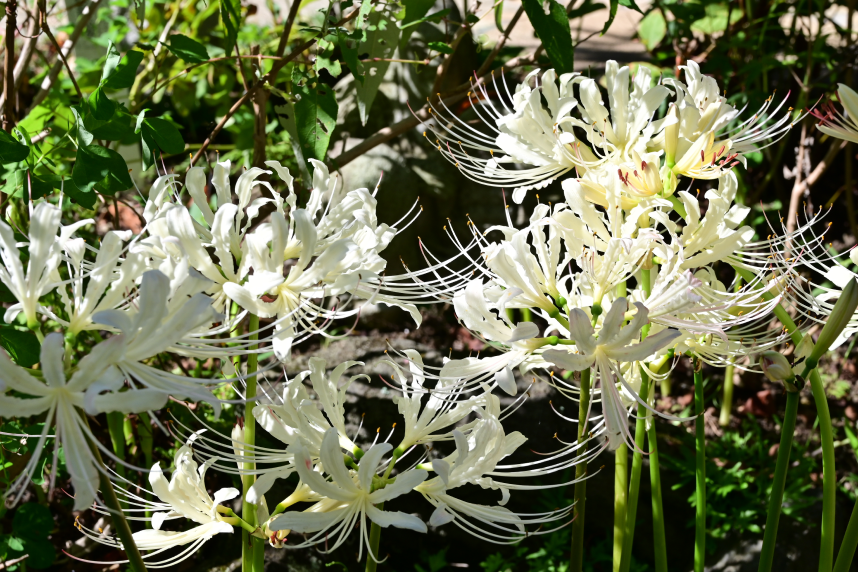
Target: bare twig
x=267 y=78
x=9 y=66
x=260 y=120
x=388 y=133
x=501 y=42
x=801 y=186
x=25 y=55
x=47 y=30
x=82 y=21
x=287 y=28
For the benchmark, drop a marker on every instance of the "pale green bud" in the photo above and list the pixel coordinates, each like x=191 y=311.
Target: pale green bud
x=776 y=367
x=840 y=315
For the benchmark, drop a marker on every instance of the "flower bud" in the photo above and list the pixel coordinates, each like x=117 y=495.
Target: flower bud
x=840 y=315
x=776 y=366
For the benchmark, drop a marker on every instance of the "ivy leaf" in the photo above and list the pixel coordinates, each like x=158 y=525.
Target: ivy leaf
x=122 y=76
x=553 y=29
x=157 y=136
x=23 y=347
x=230 y=14
x=102 y=108
x=187 y=49
x=11 y=150
x=95 y=164
x=381 y=41
x=315 y=117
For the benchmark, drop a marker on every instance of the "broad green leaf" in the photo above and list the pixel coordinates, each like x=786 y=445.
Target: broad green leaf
x=15 y=544
x=32 y=520
x=111 y=62
x=349 y=49
x=187 y=49
x=324 y=61
x=86 y=200
x=440 y=47
x=499 y=16
x=230 y=13
x=715 y=20
x=95 y=164
x=361 y=20
x=27 y=185
x=11 y=150
x=84 y=137
x=100 y=106
x=165 y=134
x=315 y=118
x=23 y=347
x=123 y=76
x=553 y=29
x=652 y=29
x=118 y=128
x=381 y=41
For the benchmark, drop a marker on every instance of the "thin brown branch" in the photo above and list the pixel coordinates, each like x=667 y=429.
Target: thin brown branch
x=501 y=42
x=444 y=66
x=287 y=28
x=802 y=186
x=82 y=21
x=267 y=78
x=47 y=30
x=421 y=115
x=9 y=66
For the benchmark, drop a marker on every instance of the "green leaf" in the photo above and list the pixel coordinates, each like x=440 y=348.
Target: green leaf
x=24 y=184
x=230 y=13
x=381 y=41
x=86 y=200
x=117 y=129
x=631 y=4
x=11 y=150
x=652 y=29
x=23 y=347
x=167 y=137
x=588 y=7
x=15 y=543
x=41 y=553
x=84 y=137
x=111 y=61
x=102 y=108
x=499 y=16
x=361 y=20
x=715 y=20
x=95 y=164
x=433 y=17
x=32 y=520
x=187 y=49
x=315 y=118
x=122 y=77
x=324 y=60
x=553 y=29
x=440 y=47
x=349 y=49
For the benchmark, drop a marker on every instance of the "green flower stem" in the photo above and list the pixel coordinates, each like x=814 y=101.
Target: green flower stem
x=577 y=554
x=621 y=494
x=252 y=548
x=767 y=553
x=634 y=486
x=147 y=444
x=123 y=530
x=850 y=542
x=374 y=542
x=700 y=469
x=727 y=398
x=658 y=536
x=115 y=426
x=826 y=434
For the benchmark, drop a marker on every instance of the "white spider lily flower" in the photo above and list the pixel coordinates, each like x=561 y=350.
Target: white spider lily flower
x=101 y=285
x=422 y=423
x=613 y=344
x=44 y=248
x=351 y=497
x=837 y=124
x=518 y=342
x=184 y=496
x=298 y=419
x=61 y=399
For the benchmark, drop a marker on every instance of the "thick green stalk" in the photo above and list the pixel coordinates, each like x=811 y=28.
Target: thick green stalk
x=700 y=470
x=621 y=494
x=123 y=530
x=727 y=397
x=850 y=542
x=374 y=543
x=577 y=554
x=252 y=548
x=767 y=553
x=658 y=536
x=635 y=480
x=826 y=434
